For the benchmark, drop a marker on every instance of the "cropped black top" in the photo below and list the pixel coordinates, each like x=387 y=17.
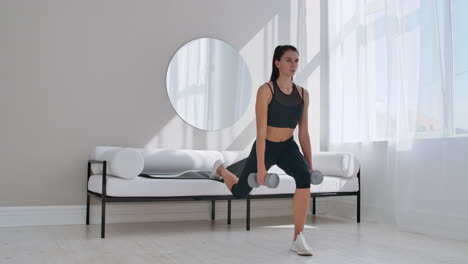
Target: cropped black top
x=284 y=110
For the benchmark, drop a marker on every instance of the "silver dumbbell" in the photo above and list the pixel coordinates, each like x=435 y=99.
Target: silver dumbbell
x=316 y=177
x=271 y=180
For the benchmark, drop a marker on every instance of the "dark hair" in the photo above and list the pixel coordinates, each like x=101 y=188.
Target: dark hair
x=279 y=51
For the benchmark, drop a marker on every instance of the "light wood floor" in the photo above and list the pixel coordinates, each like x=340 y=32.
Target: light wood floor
x=333 y=240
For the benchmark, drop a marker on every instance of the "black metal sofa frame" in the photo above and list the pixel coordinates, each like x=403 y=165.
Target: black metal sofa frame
x=109 y=199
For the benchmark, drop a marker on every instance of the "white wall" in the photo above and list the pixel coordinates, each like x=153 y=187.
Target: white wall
x=76 y=74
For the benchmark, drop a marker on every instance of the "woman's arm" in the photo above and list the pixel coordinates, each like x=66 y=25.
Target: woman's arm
x=304 y=137
x=261 y=111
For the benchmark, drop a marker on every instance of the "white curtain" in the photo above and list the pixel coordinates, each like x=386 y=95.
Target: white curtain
x=389 y=78
x=392 y=84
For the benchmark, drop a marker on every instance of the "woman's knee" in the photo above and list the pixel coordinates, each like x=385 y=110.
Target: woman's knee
x=239 y=193
x=302 y=180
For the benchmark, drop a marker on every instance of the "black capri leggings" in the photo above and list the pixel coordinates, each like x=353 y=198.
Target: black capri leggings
x=285 y=154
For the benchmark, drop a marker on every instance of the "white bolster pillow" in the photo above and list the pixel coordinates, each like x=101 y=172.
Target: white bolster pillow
x=340 y=164
x=125 y=163
x=171 y=161
x=231 y=157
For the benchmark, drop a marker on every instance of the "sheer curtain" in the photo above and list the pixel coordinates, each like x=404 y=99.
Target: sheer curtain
x=387 y=69
x=391 y=102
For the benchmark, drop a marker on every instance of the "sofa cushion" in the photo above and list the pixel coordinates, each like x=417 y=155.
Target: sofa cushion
x=148 y=187
x=170 y=161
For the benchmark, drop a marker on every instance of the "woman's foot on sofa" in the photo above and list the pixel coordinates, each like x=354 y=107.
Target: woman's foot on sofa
x=215 y=173
x=229 y=178
x=218 y=172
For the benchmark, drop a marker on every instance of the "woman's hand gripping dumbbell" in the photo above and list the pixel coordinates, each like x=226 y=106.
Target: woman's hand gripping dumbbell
x=271 y=180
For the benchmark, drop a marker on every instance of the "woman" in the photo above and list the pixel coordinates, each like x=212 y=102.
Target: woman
x=280 y=106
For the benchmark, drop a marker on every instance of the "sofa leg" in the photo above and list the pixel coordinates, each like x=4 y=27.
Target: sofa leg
x=213 y=208
x=103 y=218
x=87 y=209
x=229 y=213
x=359 y=207
x=313 y=205
x=248 y=215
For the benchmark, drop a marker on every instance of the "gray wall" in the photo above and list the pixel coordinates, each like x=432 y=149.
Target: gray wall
x=77 y=74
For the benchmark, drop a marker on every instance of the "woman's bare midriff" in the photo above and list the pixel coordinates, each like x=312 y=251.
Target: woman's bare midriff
x=278 y=134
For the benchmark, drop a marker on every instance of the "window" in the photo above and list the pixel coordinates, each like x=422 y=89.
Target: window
x=398 y=69
x=460 y=66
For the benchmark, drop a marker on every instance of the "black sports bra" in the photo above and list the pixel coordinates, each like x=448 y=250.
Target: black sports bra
x=284 y=110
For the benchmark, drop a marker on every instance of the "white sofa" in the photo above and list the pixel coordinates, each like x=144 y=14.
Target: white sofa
x=137 y=175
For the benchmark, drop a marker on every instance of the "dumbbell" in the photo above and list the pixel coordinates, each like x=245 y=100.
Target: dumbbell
x=271 y=180
x=316 y=177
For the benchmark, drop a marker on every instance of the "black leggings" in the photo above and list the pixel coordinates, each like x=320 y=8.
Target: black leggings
x=285 y=154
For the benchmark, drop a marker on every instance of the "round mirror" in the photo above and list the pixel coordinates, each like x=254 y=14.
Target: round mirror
x=208 y=84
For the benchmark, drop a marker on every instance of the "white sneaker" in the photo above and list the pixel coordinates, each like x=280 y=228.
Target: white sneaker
x=300 y=246
x=213 y=174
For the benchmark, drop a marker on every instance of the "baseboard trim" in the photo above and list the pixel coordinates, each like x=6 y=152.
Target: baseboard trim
x=346 y=208
x=141 y=212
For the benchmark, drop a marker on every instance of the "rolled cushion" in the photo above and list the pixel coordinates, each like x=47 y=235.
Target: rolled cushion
x=231 y=157
x=167 y=161
x=125 y=163
x=340 y=164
